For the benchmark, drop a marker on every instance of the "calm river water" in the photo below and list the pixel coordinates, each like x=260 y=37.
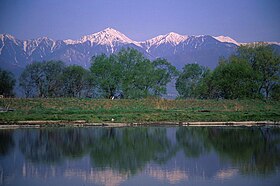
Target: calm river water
x=140 y=156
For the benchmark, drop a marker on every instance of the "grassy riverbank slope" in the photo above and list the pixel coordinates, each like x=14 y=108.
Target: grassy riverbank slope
x=142 y=110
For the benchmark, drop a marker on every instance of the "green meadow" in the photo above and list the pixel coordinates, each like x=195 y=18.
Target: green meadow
x=138 y=110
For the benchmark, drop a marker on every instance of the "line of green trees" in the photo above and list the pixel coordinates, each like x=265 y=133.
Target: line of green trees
x=253 y=72
x=127 y=74
x=54 y=79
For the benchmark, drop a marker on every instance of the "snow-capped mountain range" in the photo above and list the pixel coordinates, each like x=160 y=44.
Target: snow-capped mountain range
x=179 y=49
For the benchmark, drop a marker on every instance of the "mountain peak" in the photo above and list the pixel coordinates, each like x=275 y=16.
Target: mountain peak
x=108 y=36
x=173 y=34
x=109 y=29
x=173 y=37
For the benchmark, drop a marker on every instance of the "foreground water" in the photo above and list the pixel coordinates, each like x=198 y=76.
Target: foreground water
x=140 y=156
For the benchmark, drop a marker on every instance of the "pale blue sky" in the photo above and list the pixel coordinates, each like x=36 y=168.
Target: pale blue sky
x=243 y=20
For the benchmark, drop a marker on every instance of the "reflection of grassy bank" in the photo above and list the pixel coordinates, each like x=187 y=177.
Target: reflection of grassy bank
x=143 y=110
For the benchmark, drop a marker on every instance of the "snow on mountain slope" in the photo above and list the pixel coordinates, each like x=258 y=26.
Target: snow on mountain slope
x=226 y=39
x=170 y=38
x=109 y=36
x=2 y=43
x=40 y=43
x=9 y=37
x=114 y=39
x=176 y=48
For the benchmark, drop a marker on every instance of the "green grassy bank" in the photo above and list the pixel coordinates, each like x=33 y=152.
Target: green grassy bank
x=143 y=110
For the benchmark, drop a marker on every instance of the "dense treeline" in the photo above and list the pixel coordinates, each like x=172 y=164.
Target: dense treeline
x=54 y=79
x=127 y=74
x=253 y=72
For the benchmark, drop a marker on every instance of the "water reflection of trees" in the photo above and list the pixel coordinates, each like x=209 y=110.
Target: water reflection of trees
x=253 y=150
x=256 y=150
x=53 y=145
x=126 y=149
x=6 y=141
x=131 y=148
x=193 y=140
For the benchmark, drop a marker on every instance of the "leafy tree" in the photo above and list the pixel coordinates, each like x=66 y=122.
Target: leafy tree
x=52 y=78
x=30 y=80
x=136 y=73
x=74 y=79
x=266 y=63
x=164 y=73
x=42 y=79
x=206 y=88
x=140 y=83
x=275 y=92
x=141 y=77
x=131 y=75
x=89 y=85
x=107 y=74
x=189 y=81
x=7 y=83
x=234 y=78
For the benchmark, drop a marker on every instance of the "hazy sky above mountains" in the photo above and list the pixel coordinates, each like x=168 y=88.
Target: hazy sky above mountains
x=243 y=20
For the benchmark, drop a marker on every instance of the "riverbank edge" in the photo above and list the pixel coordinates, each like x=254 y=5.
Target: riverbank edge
x=82 y=123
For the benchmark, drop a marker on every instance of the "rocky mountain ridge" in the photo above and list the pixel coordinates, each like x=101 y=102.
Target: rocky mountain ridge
x=179 y=49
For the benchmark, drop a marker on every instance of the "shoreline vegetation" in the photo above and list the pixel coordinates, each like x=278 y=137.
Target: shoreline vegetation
x=77 y=112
